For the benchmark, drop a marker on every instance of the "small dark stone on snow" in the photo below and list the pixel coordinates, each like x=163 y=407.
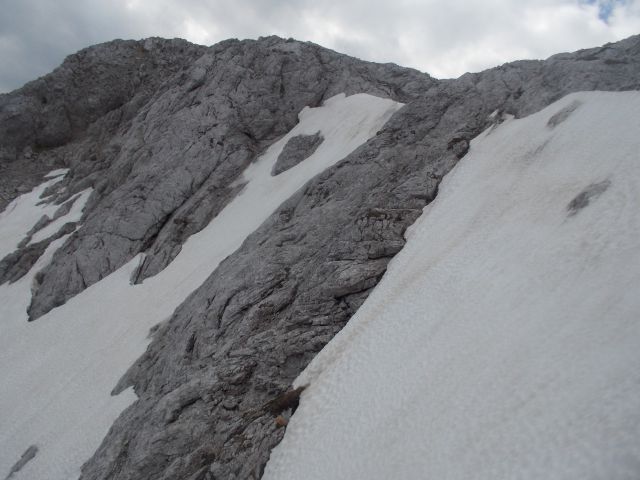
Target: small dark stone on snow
x=584 y=198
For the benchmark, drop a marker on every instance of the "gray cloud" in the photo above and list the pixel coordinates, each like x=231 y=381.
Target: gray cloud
x=445 y=39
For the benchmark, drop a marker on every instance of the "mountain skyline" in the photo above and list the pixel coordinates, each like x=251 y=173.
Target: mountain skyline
x=443 y=40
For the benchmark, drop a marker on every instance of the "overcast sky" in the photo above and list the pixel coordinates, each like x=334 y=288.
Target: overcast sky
x=442 y=37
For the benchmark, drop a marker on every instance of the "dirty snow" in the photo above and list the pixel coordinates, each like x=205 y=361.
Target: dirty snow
x=57 y=372
x=504 y=340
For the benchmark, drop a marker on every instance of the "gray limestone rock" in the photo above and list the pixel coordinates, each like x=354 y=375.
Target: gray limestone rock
x=163 y=164
x=265 y=312
x=296 y=150
x=168 y=163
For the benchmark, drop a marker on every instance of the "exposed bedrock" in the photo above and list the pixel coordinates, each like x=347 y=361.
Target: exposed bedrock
x=163 y=164
x=162 y=172
x=239 y=340
x=296 y=150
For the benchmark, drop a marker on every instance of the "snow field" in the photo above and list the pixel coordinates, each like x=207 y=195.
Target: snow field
x=503 y=341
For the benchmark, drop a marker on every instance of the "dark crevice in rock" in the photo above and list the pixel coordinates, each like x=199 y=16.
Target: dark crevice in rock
x=288 y=400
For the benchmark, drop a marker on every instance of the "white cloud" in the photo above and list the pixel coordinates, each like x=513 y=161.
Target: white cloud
x=444 y=38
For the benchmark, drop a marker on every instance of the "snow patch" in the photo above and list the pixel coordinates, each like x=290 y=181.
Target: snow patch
x=57 y=173
x=21 y=215
x=74 y=215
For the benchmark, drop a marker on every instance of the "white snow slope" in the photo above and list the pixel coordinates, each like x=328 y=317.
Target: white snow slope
x=56 y=373
x=504 y=340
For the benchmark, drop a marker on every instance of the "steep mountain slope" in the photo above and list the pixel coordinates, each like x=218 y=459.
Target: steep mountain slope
x=85 y=345
x=503 y=340
x=172 y=153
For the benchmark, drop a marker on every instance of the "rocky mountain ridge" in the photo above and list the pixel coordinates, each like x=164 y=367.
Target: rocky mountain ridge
x=161 y=131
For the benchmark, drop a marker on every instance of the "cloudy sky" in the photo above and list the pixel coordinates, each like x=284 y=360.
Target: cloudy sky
x=442 y=37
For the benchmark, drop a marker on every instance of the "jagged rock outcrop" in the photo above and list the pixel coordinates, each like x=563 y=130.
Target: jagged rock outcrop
x=160 y=175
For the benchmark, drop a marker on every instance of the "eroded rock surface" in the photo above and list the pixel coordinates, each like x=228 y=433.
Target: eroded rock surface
x=162 y=160
x=295 y=151
x=161 y=171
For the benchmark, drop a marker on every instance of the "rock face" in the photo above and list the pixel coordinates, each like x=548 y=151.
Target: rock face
x=162 y=167
x=69 y=116
x=295 y=151
x=163 y=146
